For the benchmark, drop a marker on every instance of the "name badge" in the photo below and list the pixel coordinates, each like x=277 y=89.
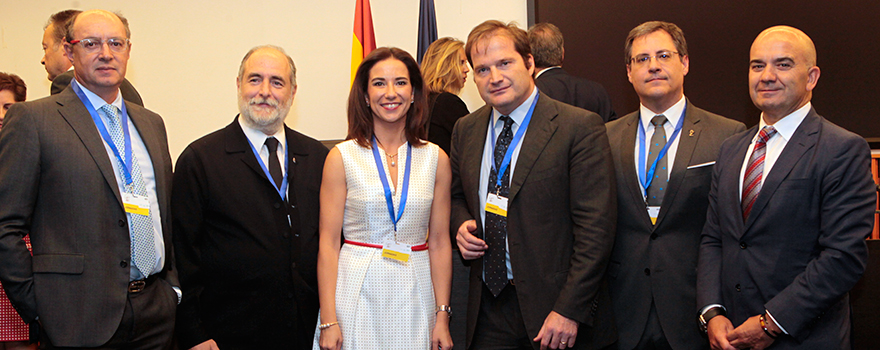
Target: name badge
x=496 y=204
x=654 y=212
x=396 y=251
x=136 y=204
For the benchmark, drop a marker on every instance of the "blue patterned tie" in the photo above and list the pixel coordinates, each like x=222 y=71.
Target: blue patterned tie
x=143 y=249
x=495 y=262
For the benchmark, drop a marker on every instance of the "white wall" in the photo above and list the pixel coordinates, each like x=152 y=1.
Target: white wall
x=185 y=54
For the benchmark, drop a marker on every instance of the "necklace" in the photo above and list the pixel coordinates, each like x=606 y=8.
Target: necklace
x=392 y=158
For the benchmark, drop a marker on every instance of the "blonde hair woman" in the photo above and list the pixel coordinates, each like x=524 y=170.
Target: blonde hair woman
x=444 y=68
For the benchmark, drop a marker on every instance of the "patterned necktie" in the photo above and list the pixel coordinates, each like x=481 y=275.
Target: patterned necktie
x=494 y=262
x=754 y=172
x=661 y=175
x=274 y=163
x=143 y=248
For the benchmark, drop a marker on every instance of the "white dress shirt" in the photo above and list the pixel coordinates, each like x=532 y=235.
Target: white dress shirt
x=518 y=115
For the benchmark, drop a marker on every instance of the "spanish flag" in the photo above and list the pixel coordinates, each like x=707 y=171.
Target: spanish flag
x=363 y=39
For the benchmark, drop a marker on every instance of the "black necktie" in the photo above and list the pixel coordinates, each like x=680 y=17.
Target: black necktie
x=274 y=164
x=661 y=175
x=494 y=262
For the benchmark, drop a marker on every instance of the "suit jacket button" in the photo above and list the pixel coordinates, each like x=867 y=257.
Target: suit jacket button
x=743 y=245
x=293 y=265
x=123 y=264
x=277 y=205
x=738 y=288
x=647 y=271
x=285 y=235
x=121 y=223
x=653 y=236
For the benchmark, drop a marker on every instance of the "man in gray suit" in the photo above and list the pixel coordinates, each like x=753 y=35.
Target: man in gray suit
x=58 y=65
x=536 y=228
x=669 y=147
x=791 y=204
x=88 y=176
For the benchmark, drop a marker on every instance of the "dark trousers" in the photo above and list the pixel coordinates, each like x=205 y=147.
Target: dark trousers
x=147 y=323
x=653 y=337
x=500 y=322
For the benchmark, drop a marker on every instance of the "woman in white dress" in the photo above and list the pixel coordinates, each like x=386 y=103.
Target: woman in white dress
x=385 y=257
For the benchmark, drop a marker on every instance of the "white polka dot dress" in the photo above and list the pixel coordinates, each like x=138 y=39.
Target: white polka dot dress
x=382 y=303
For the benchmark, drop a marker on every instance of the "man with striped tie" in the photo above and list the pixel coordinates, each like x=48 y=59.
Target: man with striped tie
x=791 y=204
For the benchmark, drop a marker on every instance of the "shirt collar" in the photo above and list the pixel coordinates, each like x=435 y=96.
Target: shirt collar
x=98 y=102
x=672 y=114
x=786 y=126
x=519 y=114
x=258 y=138
x=544 y=70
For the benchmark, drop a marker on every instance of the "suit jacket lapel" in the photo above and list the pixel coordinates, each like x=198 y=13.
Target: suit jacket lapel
x=77 y=116
x=687 y=142
x=540 y=129
x=804 y=138
x=472 y=158
x=631 y=172
x=153 y=142
x=237 y=145
x=296 y=152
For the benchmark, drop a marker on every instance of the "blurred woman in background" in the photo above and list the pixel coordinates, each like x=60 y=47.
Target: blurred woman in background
x=445 y=69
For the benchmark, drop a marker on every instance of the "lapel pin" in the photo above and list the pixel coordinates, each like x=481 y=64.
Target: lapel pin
x=293 y=159
x=692 y=133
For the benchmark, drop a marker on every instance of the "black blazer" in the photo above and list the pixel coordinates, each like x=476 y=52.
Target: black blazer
x=803 y=246
x=249 y=277
x=59 y=185
x=129 y=93
x=668 y=250
x=576 y=91
x=561 y=216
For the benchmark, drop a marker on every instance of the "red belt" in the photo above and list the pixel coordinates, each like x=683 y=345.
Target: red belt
x=415 y=248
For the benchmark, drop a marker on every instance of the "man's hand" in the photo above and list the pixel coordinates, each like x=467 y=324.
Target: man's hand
x=470 y=246
x=717 y=330
x=558 y=332
x=206 y=345
x=749 y=335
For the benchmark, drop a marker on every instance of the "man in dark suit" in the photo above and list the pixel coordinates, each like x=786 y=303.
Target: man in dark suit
x=57 y=64
x=546 y=42
x=791 y=204
x=538 y=242
x=88 y=176
x=653 y=264
x=245 y=205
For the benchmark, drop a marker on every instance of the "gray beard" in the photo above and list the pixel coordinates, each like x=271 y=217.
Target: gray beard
x=268 y=124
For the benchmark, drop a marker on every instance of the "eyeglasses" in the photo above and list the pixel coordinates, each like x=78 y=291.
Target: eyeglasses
x=644 y=59
x=92 y=45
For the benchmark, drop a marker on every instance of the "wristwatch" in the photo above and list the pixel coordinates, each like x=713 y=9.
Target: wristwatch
x=706 y=316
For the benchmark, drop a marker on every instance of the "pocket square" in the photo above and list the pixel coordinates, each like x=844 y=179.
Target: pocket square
x=701 y=165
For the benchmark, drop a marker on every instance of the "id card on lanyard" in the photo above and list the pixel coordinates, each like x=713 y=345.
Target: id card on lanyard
x=391 y=248
x=646 y=177
x=495 y=203
x=131 y=201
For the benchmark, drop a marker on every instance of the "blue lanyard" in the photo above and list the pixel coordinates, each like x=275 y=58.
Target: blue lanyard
x=406 y=170
x=646 y=180
x=126 y=163
x=282 y=191
x=499 y=173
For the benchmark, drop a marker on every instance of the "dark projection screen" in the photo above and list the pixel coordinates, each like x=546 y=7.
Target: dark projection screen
x=719 y=34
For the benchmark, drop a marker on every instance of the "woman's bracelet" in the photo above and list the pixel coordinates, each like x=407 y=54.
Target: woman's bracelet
x=324 y=326
x=444 y=308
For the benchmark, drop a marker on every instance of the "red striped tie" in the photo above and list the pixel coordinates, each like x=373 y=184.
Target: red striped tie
x=754 y=172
